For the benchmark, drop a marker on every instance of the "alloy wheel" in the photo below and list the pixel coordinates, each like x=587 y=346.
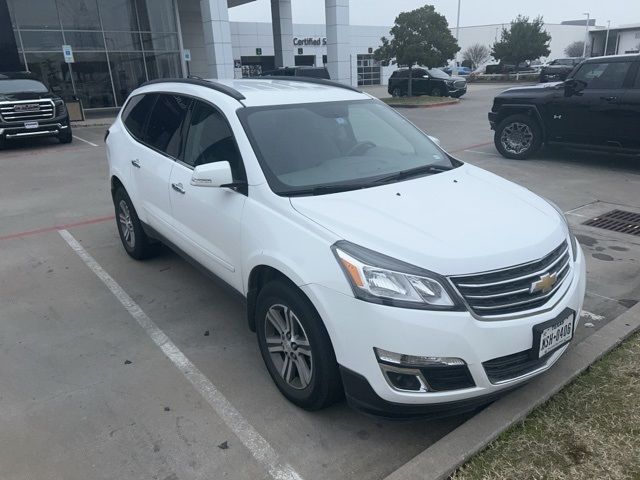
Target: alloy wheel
x=126 y=224
x=288 y=346
x=516 y=138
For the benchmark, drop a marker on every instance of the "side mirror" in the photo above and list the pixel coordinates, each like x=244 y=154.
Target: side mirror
x=216 y=174
x=573 y=87
x=426 y=76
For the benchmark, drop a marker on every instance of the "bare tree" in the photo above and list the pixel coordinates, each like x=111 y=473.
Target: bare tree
x=477 y=54
x=575 y=49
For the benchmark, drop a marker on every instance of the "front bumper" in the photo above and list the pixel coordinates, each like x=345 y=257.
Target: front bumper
x=457 y=92
x=493 y=119
x=46 y=128
x=357 y=327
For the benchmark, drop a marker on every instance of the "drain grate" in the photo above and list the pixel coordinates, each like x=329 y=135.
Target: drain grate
x=619 y=221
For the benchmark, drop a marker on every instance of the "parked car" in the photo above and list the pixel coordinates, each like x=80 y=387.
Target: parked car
x=597 y=107
x=29 y=109
x=558 y=69
x=313 y=72
x=365 y=252
x=503 y=68
x=462 y=71
x=432 y=81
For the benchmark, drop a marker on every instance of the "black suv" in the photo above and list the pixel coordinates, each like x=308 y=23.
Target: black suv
x=28 y=109
x=432 y=81
x=558 y=69
x=597 y=107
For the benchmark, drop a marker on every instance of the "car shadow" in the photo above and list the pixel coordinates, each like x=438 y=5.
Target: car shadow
x=614 y=161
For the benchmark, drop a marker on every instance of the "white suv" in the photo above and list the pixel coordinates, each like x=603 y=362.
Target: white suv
x=374 y=264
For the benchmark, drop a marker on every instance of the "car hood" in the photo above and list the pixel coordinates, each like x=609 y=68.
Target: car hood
x=462 y=221
x=17 y=96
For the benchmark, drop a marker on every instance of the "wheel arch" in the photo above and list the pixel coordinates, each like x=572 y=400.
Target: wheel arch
x=530 y=110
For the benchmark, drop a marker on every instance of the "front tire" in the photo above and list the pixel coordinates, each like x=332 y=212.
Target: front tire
x=518 y=137
x=296 y=348
x=66 y=136
x=135 y=242
x=437 y=92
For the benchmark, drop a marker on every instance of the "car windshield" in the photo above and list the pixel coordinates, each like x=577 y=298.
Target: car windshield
x=19 y=85
x=316 y=148
x=437 y=73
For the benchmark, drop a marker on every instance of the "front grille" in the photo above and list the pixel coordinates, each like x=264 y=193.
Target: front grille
x=459 y=84
x=620 y=221
x=26 y=110
x=513 y=366
x=449 y=377
x=511 y=290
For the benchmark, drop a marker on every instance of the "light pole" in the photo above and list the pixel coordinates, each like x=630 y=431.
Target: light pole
x=606 y=40
x=586 y=35
x=454 y=70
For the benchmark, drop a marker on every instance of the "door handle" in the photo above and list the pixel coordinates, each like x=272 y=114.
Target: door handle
x=178 y=187
x=609 y=99
x=135 y=162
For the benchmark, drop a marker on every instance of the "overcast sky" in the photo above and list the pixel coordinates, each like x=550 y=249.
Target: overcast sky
x=473 y=12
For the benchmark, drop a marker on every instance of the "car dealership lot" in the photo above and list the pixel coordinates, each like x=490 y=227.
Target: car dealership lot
x=86 y=393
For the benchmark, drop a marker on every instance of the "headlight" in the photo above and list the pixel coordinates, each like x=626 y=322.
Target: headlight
x=381 y=279
x=572 y=237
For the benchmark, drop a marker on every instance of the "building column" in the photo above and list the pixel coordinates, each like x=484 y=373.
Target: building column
x=282 y=24
x=338 y=41
x=217 y=38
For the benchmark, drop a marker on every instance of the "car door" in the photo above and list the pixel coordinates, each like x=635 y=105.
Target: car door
x=590 y=114
x=152 y=164
x=208 y=219
x=629 y=125
x=421 y=82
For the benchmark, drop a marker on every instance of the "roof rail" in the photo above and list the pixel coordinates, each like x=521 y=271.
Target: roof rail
x=232 y=92
x=319 y=81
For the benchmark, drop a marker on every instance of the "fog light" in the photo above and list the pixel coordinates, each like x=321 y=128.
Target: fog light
x=404 y=381
x=415 y=361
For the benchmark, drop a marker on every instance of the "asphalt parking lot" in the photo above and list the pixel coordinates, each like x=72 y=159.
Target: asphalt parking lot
x=85 y=392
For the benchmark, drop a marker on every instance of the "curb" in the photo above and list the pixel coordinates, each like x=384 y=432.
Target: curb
x=428 y=105
x=442 y=458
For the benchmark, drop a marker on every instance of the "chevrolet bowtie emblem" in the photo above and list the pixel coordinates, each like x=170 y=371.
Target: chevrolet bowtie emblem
x=545 y=283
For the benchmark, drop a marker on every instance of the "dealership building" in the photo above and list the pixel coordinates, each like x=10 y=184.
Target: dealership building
x=112 y=46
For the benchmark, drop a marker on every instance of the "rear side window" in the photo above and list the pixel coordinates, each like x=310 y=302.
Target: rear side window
x=605 y=75
x=136 y=113
x=164 y=130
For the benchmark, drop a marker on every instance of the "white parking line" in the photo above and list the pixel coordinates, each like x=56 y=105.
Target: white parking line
x=85 y=141
x=255 y=443
x=488 y=154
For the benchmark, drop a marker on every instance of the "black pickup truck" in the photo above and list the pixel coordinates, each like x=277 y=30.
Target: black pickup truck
x=28 y=109
x=597 y=107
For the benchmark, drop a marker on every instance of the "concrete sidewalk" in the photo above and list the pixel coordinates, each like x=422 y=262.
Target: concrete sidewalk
x=453 y=450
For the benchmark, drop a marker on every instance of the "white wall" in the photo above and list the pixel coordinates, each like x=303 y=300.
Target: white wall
x=629 y=41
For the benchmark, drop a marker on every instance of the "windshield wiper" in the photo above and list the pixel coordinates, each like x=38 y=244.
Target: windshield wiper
x=414 y=172
x=324 y=189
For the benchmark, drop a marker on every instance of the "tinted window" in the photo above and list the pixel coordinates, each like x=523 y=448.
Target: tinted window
x=165 y=124
x=136 y=113
x=210 y=140
x=603 y=75
x=637 y=84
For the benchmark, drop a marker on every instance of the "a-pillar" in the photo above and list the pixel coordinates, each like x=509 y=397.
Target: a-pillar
x=338 y=41
x=217 y=38
x=282 y=23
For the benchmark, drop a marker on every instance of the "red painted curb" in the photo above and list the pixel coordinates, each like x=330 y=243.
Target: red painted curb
x=29 y=233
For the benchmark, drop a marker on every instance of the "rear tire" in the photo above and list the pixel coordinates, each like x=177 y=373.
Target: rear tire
x=396 y=92
x=135 y=242
x=296 y=348
x=518 y=137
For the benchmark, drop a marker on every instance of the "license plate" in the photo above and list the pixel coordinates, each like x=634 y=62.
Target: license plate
x=31 y=124
x=554 y=334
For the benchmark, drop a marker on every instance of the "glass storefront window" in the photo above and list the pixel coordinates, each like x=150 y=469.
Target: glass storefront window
x=118 y=15
x=79 y=14
x=123 y=41
x=51 y=69
x=161 y=42
x=128 y=73
x=93 y=83
x=163 y=65
x=156 y=15
x=91 y=41
x=36 y=14
x=41 y=40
